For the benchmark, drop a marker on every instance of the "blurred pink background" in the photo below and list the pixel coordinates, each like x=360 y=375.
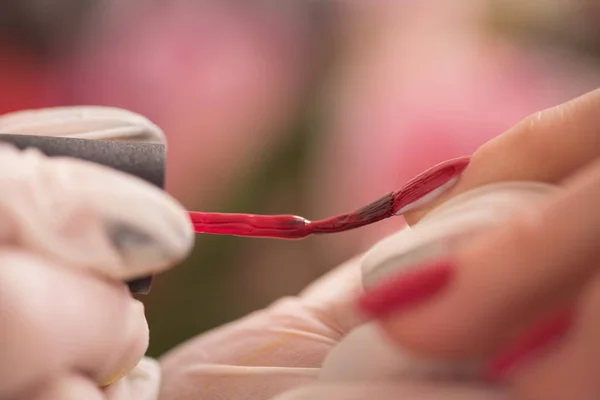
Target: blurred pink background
x=309 y=108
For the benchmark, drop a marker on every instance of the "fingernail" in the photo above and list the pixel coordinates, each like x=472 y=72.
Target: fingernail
x=429 y=185
x=410 y=288
x=140 y=286
x=401 y=252
x=542 y=336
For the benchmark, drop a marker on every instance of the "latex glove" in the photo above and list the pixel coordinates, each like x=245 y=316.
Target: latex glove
x=283 y=347
x=70 y=233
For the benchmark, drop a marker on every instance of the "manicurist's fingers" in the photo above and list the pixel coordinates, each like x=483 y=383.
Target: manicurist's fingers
x=547 y=146
x=56 y=321
x=90 y=217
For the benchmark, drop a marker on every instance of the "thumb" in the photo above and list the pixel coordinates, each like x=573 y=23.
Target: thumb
x=545 y=147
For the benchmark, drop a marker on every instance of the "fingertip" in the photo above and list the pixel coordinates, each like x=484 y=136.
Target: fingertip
x=133 y=345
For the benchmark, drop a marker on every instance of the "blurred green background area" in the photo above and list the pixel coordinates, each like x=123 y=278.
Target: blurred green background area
x=311 y=108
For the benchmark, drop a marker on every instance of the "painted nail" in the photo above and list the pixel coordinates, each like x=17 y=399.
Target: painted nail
x=397 y=254
x=410 y=288
x=542 y=336
x=429 y=185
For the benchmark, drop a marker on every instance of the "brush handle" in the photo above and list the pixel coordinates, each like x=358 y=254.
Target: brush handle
x=143 y=160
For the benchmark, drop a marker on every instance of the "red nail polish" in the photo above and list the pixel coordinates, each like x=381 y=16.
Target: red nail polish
x=537 y=339
x=410 y=288
x=429 y=184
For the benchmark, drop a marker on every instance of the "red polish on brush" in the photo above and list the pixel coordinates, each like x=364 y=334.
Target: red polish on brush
x=424 y=187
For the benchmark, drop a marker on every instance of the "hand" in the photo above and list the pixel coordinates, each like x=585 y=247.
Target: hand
x=69 y=323
x=541 y=324
x=283 y=346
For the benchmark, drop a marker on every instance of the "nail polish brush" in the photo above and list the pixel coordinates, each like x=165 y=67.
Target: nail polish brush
x=419 y=190
x=147 y=161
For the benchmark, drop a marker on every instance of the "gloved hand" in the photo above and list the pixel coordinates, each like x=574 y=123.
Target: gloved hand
x=71 y=232
x=282 y=347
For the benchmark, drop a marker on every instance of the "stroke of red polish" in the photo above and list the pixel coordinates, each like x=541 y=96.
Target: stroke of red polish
x=428 y=181
x=535 y=341
x=294 y=227
x=407 y=290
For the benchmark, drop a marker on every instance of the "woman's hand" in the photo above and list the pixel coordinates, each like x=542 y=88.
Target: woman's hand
x=537 y=263
x=525 y=296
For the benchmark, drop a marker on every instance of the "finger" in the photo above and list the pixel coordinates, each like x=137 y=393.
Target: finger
x=72 y=387
x=256 y=357
x=547 y=147
x=566 y=367
x=480 y=297
x=269 y=351
x=56 y=320
x=83 y=122
x=393 y=390
x=330 y=298
x=89 y=216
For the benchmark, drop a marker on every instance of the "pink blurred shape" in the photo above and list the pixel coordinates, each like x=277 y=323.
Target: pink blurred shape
x=220 y=79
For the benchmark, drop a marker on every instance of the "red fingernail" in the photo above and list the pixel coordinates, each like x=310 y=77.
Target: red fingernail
x=428 y=185
x=410 y=288
x=539 y=338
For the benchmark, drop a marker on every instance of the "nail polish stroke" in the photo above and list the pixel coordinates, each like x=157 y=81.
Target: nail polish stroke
x=408 y=289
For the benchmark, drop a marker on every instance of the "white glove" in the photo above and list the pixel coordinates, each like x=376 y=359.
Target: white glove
x=69 y=324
